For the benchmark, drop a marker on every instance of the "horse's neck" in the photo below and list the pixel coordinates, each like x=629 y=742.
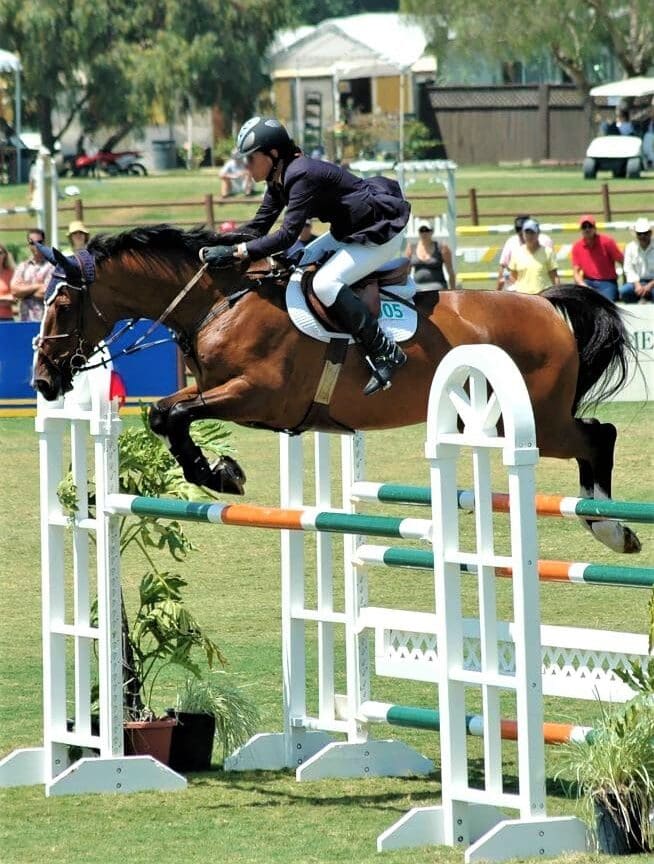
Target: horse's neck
x=147 y=295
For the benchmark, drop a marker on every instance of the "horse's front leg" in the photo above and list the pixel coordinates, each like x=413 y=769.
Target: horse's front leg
x=171 y=418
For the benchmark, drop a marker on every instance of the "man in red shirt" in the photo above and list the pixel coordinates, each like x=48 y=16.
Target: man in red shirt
x=594 y=258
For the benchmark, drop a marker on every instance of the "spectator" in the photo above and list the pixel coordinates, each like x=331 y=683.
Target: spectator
x=235 y=179
x=31 y=279
x=78 y=236
x=427 y=259
x=623 y=124
x=7 y=267
x=639 y=265
x=594 y=257
x=294 y=252
x=532 y=266
x=648 y=136
x=510 y=246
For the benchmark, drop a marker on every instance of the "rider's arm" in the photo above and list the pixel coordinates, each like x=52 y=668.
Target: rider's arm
x=263 y=220
x=301 y=193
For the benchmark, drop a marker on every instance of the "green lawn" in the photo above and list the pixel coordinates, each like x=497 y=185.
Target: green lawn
x=234 y=590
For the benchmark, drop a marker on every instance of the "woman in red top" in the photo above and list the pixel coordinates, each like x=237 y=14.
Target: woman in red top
x=7 y=267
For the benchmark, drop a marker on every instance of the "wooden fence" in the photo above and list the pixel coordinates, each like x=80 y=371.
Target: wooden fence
x=473 y=207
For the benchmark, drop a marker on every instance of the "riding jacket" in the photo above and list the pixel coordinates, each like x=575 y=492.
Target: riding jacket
x=370 y=212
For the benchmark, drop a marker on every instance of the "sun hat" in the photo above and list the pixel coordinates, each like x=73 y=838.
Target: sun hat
x=77 y=225
x=642 y=225
x=587 y=218
x=531 y=225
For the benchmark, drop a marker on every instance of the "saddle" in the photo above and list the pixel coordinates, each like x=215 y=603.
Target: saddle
x=366 y=289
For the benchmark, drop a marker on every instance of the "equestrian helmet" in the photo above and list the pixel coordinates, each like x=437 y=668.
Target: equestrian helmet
x=262 y=133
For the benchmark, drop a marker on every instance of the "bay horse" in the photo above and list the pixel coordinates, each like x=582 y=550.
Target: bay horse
x=253 y=367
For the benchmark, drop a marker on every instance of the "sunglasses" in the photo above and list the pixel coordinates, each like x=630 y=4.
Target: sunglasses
x=643 y=233
x=424 y=230
x=586 y=226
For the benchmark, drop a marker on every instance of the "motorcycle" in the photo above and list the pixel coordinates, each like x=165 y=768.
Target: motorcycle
x=124 y=162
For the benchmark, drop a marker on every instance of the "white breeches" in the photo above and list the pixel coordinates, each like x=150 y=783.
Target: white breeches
x=351 y=262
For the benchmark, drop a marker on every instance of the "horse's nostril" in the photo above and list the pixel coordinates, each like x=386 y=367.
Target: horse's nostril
x=50 y=390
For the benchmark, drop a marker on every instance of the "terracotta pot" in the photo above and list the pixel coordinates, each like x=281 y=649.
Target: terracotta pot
x=149 y=738
x=192 y=743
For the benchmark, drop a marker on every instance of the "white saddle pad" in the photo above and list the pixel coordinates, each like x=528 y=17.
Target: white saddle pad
x=395 y=319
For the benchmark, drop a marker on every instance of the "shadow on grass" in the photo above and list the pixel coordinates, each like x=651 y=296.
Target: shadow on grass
x=266 y=786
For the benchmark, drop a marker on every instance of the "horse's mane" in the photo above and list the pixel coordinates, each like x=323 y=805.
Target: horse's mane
x=159 y=241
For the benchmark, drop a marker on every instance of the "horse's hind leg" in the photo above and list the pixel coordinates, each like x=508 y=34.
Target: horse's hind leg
x=595 y=469
x=170 y=418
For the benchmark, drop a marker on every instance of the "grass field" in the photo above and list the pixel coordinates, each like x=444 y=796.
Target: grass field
x=234 y=590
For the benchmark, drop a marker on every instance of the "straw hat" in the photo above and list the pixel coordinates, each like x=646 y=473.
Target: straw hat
x=77 y=225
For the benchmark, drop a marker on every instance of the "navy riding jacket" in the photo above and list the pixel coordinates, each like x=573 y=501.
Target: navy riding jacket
x=370 y=211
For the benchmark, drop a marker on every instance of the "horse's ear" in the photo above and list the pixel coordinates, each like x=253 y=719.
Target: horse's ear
x=71 y=270
x=47 y=252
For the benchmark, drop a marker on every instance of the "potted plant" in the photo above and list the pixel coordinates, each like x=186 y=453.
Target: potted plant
x=206 y=708
x=161 y=632
x=614 y=769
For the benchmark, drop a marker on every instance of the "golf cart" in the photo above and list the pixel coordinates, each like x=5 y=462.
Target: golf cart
x=623 y=155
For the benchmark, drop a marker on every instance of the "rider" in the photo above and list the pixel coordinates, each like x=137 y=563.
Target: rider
x=367 y=220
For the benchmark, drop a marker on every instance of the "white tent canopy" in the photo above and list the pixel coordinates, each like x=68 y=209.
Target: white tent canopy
x=11 y=63
x=626 y=89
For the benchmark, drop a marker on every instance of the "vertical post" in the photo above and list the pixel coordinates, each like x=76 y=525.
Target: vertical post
x=544 y=119
x=474 y=213
x=18 y=124
x=606 y=202
x=297 y=112
x=209 y=216
x=104 y=429
x=291 y=464
x=79 y=209
x=451 y=210
x=325 y=582
x=357 y=653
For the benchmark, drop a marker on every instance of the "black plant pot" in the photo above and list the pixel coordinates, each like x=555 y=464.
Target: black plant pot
x=192 y=742
x=613 y=836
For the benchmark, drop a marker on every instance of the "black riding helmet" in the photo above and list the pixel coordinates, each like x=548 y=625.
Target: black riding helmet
x=265 y=134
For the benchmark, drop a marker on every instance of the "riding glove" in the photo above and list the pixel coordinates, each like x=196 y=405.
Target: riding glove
x=218 y=256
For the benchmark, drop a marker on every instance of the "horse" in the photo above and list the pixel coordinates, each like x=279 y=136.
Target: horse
x=253 y=367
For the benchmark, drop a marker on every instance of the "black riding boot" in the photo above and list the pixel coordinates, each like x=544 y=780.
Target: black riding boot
x=382 y=354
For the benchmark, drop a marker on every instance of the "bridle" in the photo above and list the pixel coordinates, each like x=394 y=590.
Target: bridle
x=86 y=265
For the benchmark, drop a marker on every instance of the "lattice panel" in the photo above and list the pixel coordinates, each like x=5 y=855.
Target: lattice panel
x=571 y=672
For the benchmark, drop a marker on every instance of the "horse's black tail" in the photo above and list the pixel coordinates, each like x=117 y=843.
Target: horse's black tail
x=602 y=342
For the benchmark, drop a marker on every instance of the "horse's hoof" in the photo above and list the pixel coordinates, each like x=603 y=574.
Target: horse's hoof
x=631 y=541
x=226 y=477
x=615 y=535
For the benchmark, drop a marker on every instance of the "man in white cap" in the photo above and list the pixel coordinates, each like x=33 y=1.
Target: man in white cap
x=639 y=265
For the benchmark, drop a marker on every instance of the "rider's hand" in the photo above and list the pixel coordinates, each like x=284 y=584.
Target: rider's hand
x=218 y=256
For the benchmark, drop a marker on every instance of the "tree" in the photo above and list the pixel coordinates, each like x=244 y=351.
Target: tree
x=114 y=63
x=573 y=31
x=315 y=11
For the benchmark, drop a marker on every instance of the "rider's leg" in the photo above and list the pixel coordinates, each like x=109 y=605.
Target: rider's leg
x=350 y=263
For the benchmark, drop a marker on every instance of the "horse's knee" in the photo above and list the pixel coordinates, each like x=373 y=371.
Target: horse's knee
x=158 y=419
